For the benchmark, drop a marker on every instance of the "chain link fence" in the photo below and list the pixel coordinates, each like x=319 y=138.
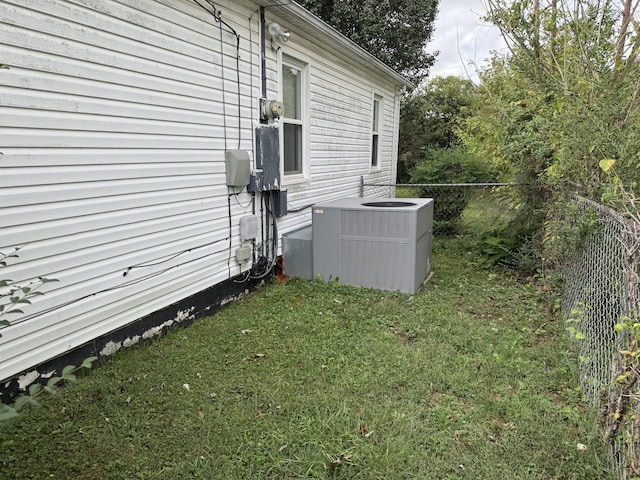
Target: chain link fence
x=600 y=301
x=460 y=208
x=600 y=306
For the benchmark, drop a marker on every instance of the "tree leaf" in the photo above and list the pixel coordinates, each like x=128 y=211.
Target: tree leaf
x=48 y=280
x=53 y=381
x=7 y=412
x=607 y=163
x=88 y=362
x=34 y=389
x=4 y=323
x=21 y=401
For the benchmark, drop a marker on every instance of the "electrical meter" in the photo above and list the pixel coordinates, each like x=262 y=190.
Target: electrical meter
x=272 y=109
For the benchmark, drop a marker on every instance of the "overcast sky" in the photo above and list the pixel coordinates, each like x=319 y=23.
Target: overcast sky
x=462 y=37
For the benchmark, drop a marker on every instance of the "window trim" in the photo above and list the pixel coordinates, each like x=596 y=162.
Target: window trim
x=300 y=62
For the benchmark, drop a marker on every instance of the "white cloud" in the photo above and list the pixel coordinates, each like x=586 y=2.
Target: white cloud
x=463 y=38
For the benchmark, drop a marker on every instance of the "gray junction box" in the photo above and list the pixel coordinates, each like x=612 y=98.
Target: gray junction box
x=237 y=168
x=382 y=243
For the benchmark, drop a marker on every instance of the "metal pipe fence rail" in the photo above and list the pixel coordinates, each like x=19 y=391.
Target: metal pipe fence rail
x=451 y=200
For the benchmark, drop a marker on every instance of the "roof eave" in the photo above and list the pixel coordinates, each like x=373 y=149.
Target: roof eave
x=302 y=14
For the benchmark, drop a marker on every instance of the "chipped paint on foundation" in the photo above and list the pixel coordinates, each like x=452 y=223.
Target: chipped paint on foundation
x=110 y=348
x=205 y=302
x=181 y=316
x=233 y=298
x=27 y=379
x=130 y=342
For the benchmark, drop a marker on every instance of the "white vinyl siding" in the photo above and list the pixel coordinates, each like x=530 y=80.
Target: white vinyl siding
x=115 y=119
x=113 y=145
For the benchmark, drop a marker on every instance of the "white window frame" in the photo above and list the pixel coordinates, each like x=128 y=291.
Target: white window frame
x=377 y=110
x=302 y=64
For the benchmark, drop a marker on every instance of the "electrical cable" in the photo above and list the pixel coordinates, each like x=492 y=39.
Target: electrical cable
x=224 y=92
x=217 y=15
x=235 y=196
x=230 y=231
x=238 y=91
x=251 y=60
x=118 y=287
x=160 y=262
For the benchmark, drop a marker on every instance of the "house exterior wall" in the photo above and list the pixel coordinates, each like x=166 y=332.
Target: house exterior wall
x=115 y=119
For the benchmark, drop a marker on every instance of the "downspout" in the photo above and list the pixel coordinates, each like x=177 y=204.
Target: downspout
x=396 y=132
x=264 y=121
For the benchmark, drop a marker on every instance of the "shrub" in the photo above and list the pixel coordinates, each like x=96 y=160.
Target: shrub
x=450 y=166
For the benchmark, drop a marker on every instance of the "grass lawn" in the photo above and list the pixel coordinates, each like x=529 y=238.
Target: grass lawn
x=469 y=379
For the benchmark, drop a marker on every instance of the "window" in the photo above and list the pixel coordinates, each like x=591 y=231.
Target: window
x=292 y=120
x=375 y=131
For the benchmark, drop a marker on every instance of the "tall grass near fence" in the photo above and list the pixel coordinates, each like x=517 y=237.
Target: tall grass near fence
x=466 y=209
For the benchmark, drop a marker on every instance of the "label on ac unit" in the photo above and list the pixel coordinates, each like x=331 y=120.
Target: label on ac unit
x=318 y=210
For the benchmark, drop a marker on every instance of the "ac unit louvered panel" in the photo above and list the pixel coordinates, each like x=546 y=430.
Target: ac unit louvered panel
x=386 y=247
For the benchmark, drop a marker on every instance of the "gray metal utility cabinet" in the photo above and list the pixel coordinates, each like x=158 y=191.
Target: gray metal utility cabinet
x=382 y=243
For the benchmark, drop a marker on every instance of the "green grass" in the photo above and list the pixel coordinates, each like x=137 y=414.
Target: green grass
x=407 y=192
x=488 y=211
x=469 y=379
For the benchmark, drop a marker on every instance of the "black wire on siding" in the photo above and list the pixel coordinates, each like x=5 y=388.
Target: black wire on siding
x=136 y=281
x=217 y=16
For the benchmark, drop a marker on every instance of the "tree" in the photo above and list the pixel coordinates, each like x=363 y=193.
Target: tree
x=395 y=31
x=430 y=119
x=566 y=97
x=574 y=69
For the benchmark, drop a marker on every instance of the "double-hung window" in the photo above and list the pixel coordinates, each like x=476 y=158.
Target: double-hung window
x=375 y=131
x=293 y=84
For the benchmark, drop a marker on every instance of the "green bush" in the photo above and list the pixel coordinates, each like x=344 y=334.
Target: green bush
x=449 y=166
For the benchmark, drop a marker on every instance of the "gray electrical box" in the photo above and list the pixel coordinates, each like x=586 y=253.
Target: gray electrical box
x=267 y=160
x=279 y=203
x=237 y=167
x=248 y=228
x=243 y=254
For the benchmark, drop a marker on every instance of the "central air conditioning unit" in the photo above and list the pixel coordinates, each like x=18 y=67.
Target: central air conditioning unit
x=374 y=242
